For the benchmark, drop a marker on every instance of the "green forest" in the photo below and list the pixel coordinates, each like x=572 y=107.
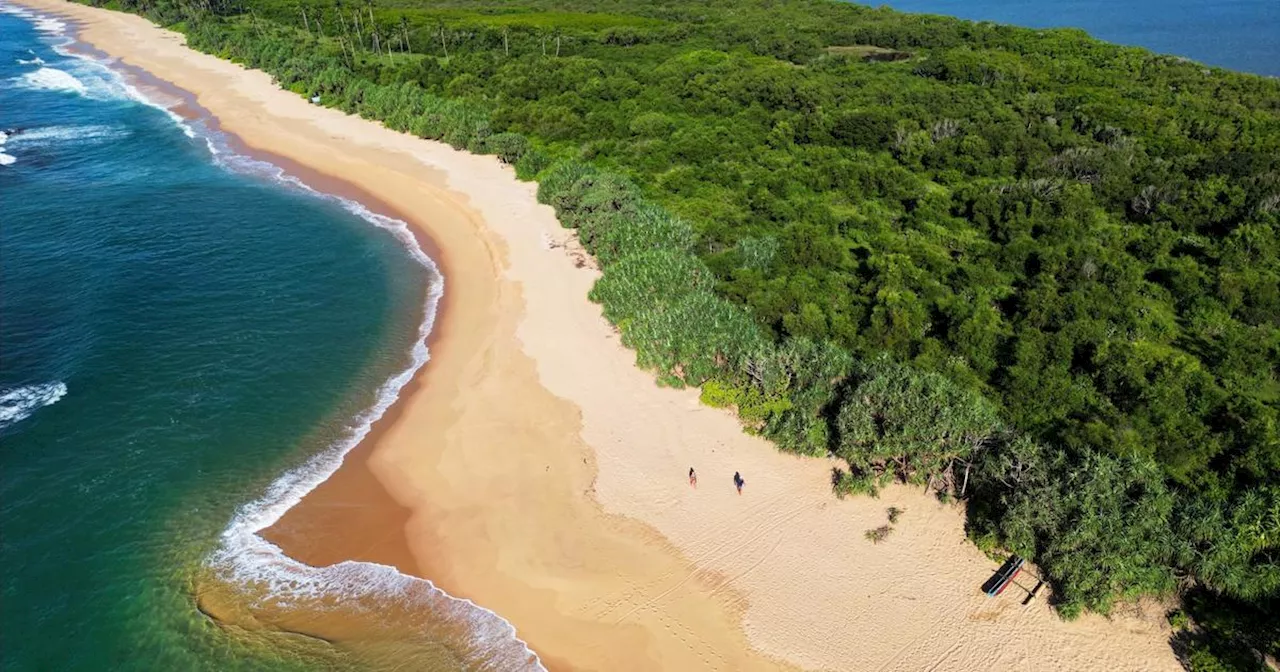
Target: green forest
x=1026 y=269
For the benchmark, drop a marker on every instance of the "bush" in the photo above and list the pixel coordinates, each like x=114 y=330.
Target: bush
x=693 y=338
x=893 y=513
x=878 y=534
x=913 y=422
x=531 y=163
x=509 y=147
x=649 y=281
x=807 y=375
x=561 y=186
x=646 y=227
x=718 y=394
x=606 y=199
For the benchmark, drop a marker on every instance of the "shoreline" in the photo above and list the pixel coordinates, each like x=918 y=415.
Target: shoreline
x=190 y=110
x=524 y=372
x=225 y=604
x=354 y=460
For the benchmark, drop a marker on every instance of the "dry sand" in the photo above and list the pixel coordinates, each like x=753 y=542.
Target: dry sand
x=535 y=470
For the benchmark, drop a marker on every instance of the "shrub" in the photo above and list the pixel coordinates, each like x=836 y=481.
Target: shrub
x=807 y=374
x=649 y=281
x=893 y=513
x=692 y=338
x=562 y=184
x=1099 y=526
x=531 y=163
x=878 y=534
x=606 y=199
x=718 y=394
x=509 y=147
x=913 y=422
x=646 y=227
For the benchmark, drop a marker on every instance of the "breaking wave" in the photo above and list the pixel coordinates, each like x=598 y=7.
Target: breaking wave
x=42 y=22
x=50 y=134
x=5 y=159
x=34 y=60
x=18 y=403
x=52 y=79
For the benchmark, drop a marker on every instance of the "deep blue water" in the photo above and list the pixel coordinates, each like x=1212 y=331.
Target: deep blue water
x=1237 y=34
x=180 y=326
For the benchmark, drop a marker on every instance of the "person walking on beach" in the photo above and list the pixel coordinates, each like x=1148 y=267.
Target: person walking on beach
x=693 y=477
x=738 y=482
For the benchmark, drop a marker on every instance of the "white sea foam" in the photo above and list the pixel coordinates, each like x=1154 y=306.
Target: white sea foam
x=86 y=76
x=52 y=79
x=48 y=135
x=6 y=8
x=81 y=77
x=42 y=22
x=18 y=403
x=49 y=24
x=45 y=135
x=132 y=92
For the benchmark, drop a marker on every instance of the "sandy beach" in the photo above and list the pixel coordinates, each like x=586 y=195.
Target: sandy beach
x=533 y=469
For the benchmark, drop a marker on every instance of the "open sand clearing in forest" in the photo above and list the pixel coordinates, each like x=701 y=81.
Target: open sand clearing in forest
x=533 y=469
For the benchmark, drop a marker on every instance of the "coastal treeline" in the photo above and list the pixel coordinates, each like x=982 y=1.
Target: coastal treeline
x=1024 y=268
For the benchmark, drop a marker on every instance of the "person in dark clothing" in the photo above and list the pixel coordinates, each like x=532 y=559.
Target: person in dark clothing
x=738 y=481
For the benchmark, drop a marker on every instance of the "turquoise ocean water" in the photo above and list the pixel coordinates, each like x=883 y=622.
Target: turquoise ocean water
x=189 y=341
x=1237 y=34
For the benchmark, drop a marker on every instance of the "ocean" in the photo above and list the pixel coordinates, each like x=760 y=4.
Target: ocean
x=1240 y=35
x=191 y=339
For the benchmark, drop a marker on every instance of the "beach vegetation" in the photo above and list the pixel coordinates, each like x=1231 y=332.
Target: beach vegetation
x=878 y=534
x=532 y=162
x=509 y=147
x=893 y=513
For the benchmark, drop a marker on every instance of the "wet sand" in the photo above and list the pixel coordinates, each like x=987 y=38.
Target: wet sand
x=532 y=469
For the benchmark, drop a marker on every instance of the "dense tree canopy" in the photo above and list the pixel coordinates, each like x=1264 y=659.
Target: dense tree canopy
x=1025 y=267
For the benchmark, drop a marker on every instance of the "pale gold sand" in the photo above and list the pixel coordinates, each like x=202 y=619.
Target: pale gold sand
x=544 y=475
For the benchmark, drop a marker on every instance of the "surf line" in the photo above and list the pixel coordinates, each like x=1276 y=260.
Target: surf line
x=243 y=556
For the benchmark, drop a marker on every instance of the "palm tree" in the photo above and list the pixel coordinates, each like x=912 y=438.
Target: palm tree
x=373 y=27
x=359 y=37
x=351 y=59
